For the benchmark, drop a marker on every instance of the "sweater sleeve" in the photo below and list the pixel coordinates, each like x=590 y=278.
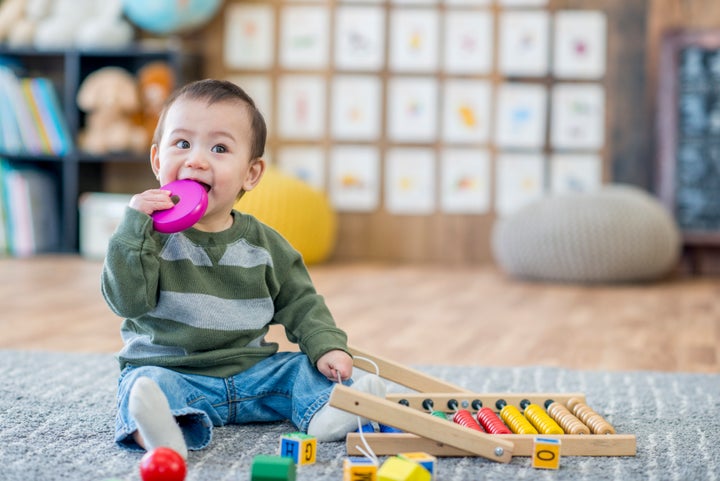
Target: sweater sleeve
x=130 y=273
x=303 y=312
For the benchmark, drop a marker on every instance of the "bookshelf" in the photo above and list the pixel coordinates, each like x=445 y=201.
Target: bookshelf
x=75 y=171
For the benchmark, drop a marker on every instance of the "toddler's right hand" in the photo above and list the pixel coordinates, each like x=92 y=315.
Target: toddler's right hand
x=151 y=200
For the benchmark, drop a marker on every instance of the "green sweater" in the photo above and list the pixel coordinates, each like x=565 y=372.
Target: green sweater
x=201 y=303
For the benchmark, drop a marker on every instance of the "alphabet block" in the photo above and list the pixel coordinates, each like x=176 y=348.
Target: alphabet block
x=359 y=469
x=300 y=447
x=423 y=459
x=546 y=453
x=272 y=468
x=399 y=469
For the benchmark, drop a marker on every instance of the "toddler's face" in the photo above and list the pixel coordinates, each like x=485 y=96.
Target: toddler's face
x=209 y=144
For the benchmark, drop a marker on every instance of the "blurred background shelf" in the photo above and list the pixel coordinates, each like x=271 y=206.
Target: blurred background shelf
x=75 y=171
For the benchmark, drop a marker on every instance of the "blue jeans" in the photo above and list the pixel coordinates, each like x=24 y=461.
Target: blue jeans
x=283 y=386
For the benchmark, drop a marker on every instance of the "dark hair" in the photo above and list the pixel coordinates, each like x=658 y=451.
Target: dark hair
x=214 y=91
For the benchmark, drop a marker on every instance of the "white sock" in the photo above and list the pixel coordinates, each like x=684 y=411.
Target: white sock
x=332 y=424
x=150 y=409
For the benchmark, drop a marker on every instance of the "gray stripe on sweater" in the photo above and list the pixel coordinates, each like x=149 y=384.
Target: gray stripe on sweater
x=139 y=346
x=179 y=248
x=244 y=254
x=239 y=254
x=209 y=312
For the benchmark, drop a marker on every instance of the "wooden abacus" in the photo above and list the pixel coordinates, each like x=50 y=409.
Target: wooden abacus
x=430 y=434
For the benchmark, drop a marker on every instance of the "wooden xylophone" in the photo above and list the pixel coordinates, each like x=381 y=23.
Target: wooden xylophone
x=409 y=412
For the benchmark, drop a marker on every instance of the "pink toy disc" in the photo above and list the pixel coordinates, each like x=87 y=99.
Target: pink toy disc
x=191 y=206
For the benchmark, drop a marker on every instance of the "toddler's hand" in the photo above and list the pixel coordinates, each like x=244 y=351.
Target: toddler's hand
x=335 y=362
x=151 y=200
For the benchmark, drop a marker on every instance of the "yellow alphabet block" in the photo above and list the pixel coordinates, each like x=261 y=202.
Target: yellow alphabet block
x=546 y=453
x=399 y=469
x=300 y=447
x=359 y=469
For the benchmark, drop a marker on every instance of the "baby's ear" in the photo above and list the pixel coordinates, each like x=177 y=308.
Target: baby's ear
x=255 y=173
x=155 y=160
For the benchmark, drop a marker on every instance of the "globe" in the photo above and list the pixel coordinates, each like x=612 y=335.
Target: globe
x=165 y=17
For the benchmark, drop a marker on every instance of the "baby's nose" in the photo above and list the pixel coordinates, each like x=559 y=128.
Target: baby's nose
x=196 y=160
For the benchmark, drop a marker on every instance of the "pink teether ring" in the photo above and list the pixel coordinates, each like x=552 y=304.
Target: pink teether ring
x=190 y=207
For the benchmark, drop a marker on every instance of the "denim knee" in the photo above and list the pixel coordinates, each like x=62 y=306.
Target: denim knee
x=195 y=423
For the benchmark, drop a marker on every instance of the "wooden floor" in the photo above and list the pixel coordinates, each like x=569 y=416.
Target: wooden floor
x=418 y=315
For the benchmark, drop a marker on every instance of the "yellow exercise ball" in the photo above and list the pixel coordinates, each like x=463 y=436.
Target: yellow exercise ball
x=302 y=214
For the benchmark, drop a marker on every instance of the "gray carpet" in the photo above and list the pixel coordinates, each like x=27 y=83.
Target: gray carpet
x=57 y=412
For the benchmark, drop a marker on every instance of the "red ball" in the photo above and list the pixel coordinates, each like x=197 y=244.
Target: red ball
x=162 y=464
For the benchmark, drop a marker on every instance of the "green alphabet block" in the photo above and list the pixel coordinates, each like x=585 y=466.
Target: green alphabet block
x=272 y=468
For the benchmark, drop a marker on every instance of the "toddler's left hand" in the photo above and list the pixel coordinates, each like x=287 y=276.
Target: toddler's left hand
x=335 y=362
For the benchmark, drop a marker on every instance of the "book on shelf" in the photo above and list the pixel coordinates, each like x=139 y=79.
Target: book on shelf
x=14 y=103
x=3 y=214
x=31 y=218
x=51 y=114
x=38 y=122
x=31 y=115
x=10 y=137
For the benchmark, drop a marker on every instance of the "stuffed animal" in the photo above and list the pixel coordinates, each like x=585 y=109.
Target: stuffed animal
x=23 y=33
x=106 y=28
x=83 y=24
x=110 y=98
x=10 y=12
x=53 y=24
x=19 y=20
x=156 y=81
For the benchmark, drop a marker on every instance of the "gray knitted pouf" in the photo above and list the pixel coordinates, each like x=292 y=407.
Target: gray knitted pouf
x=618 y=233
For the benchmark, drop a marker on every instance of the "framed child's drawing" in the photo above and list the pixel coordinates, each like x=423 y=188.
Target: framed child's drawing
x=355 y=178
x=520 y=115
x=580 y=43
x=359 y=38
x=524 y=43
x=465 y=181
x=577 y=117
x=520 y=179
x=467 y=108
x=410 y=181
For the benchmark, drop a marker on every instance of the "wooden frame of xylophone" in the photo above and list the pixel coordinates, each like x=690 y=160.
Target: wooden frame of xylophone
x=430 y=434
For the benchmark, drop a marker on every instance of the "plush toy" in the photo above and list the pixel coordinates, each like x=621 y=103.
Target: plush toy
x=83 y=24
x=19 y=20
x=10 y=12
x=110 y=98
x=106 y=28
x=23 y=32
x=156 y=81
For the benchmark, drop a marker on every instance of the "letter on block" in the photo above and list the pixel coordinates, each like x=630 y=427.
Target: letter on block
x=425 y=460
x=398 y=469
x=359 y=469
x=300 y=447
x=272 y=468
x=546 y=453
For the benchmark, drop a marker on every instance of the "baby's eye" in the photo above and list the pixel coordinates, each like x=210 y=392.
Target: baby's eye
x=219 y=149
x=182 y=144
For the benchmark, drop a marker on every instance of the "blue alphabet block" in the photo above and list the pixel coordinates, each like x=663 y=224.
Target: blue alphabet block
x=300 y=447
